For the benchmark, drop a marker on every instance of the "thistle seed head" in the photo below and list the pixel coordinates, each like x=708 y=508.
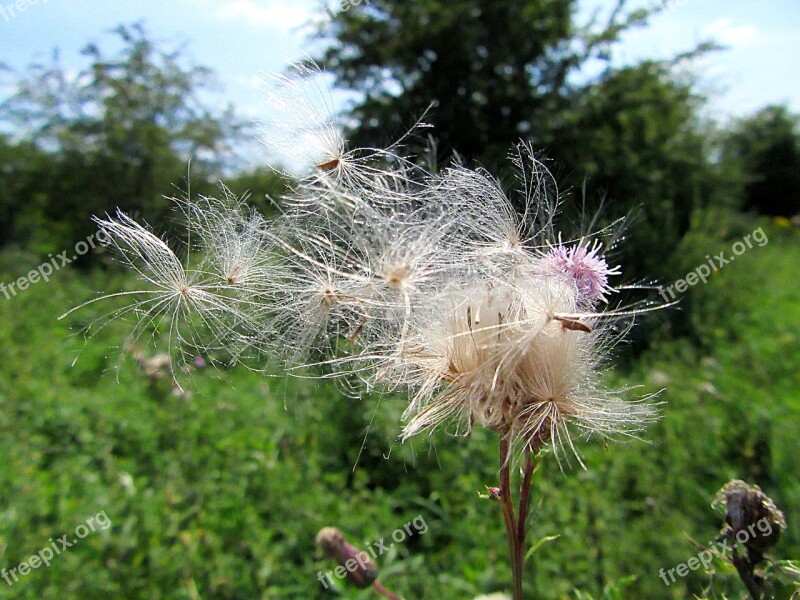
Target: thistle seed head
x=436 y=284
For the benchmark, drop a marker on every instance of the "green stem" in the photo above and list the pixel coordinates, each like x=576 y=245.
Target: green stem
x=525 y=496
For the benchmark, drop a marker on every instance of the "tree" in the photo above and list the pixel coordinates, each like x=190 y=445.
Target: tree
x=21 y=164
x=501 y=71
x=120 y=133
x=495 y=71
x=635 y=137
x=766 y=147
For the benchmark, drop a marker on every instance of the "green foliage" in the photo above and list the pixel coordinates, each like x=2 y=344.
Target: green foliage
x=117 y=134
x=22 y=164
x=498 y=72
x=220 y=495
x=766 y=149
x=635 y=136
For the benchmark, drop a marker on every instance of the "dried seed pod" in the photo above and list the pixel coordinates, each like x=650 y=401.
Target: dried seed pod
x=751 y=516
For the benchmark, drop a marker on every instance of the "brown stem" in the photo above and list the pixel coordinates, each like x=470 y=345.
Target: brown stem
x=514 y=542
x=745 y=570
x=382 y=590
x=525 y=495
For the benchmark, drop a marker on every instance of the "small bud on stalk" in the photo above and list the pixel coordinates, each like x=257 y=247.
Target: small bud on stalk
x=360 y=568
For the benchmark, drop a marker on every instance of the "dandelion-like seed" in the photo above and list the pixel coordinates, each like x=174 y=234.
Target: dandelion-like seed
x=433 y=284
x=300 y=128
x=233 y=238
x=172 y=290
x=303 y=135
x=214 y=303
x=504 y=359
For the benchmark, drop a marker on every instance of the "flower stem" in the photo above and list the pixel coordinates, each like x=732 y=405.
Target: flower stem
x=515 y=524
x=525 y=496
x=382 y=590
x=745 y=570
x=509 y=520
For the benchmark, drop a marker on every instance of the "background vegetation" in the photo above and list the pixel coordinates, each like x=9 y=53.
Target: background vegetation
x=219 y=493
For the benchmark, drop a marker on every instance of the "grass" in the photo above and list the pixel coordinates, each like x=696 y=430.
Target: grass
x=220 y=495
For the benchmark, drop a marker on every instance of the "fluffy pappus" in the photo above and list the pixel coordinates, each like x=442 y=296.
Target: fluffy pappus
x=441 y=285
x=500 y=356
x=171 y=293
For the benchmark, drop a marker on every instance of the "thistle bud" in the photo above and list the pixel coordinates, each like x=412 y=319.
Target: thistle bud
x=751 y=516
x=493 y=493
x=360 y=569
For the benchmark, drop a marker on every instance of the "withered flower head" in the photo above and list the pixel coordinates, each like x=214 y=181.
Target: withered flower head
x=751 y=516
x=361 y=570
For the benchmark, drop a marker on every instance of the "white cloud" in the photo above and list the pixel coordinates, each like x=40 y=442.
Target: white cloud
x=724 y=31
x=279 y=14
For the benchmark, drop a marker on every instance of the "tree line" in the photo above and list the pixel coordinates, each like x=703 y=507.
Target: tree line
x=123 y=132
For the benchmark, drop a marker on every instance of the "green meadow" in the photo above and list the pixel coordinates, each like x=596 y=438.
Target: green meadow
x=219 y=493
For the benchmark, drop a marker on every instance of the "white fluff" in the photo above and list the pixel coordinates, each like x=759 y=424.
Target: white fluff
x=433 y=284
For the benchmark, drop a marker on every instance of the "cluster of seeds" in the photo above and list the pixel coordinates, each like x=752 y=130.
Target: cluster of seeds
x=436 y=284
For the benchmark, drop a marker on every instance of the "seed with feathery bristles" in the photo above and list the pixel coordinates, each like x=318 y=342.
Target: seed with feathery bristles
x=437 y=283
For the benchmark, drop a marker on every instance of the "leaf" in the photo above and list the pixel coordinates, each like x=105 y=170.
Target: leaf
x=546 y=539
x=788 y=568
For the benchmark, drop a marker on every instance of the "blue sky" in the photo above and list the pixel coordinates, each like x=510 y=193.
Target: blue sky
x=240 y=39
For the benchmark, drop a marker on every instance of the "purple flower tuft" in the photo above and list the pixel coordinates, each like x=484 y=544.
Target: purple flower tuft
x=583 y=264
